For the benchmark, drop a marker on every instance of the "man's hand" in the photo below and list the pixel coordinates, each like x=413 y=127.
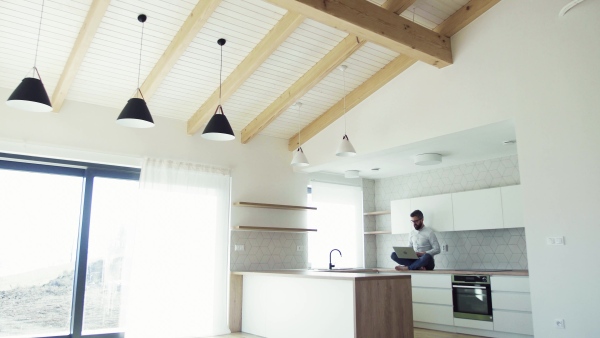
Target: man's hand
x=419 y=254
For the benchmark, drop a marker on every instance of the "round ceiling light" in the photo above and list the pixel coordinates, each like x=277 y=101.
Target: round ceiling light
x=428 y=159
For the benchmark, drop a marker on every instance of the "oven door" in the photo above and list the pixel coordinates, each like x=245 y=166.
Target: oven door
x=472 y=301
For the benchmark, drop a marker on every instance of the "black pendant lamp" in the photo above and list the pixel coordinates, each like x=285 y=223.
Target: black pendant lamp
x=136 y=113
x=30 y=94
x=218 y=128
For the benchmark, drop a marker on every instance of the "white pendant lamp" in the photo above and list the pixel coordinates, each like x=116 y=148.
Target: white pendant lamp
x=299 y=159
x=136 y=114
x=218 y=128
x=30 y=94
x=345 y=149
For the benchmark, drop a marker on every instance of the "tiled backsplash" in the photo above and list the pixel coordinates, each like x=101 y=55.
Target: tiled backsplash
x=268 y=250
x=489 y=249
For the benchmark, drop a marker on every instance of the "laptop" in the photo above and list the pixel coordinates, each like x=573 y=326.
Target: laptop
x=405 y=252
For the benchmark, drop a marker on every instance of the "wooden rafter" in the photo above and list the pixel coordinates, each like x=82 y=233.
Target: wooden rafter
x=82 y=43
x=449 y=27
x=383 y=76
x=280 y=32
x=315 y=75
x=192 y=25
x=397 y=6
x=310 y=79
x=378 y=25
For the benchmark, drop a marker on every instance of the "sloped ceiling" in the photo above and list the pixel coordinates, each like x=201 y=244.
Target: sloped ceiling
x=274 y=56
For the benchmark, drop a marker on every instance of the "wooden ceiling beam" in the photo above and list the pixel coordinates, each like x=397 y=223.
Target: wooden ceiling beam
x=278 y=34
x=188 y=31
x=449 y=27
x=398 y=6
x=378 y=25
x=318 y=72
x=331 y=61
x=82 y=44
x=383 y=76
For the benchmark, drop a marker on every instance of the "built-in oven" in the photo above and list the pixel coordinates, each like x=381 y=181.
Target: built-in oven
x=472 y=297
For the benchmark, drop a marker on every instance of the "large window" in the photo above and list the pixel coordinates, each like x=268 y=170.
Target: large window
x=62 y=230
x=339 y=222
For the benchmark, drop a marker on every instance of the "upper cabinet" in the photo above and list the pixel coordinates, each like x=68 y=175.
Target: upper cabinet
x=512 y=206
x=494 y=208
x=401 y=210
x=437 y=211
x=478 y=209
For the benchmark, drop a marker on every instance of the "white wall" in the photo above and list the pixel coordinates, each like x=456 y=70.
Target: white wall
x=519 y=60
x=260 y=169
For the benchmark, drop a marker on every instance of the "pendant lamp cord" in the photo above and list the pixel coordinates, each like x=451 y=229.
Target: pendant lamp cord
x=299 y=107
x=345 y=118
x=38 y=38
x=140 y=63
x=220 y=73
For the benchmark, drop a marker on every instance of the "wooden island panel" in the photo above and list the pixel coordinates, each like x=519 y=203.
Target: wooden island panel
x=383 y=308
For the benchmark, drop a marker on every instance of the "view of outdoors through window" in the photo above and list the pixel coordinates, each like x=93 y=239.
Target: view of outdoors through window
x=111 y=226
x=39 y=218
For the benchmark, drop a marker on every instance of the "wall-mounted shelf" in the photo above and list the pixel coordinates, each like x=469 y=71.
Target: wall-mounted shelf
x=272 y=206
x=254 y=228
x=375 y=213
x=382 y=232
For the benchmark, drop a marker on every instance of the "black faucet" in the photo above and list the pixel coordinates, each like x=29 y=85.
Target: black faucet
x=331 y=265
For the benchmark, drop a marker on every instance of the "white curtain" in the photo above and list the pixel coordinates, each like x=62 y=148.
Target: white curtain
x=179 y=264
x=339 y=224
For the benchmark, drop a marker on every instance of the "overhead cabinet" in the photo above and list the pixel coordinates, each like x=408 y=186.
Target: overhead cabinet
x=493 y=208
x=477 y=209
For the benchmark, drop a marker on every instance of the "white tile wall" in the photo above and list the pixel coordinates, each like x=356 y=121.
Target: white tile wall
x=265 y=250
x=369 y=223
x=489 y=249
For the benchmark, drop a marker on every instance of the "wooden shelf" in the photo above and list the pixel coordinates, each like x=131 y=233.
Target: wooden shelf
x=382 y=232
x=254 y=228
x=375 y=213
x=272 y=206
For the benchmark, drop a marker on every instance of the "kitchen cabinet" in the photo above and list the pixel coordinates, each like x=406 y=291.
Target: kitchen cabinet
x=512 y=206
x=432 y=299
x=401 y=210
x=478 y=209
x=437 y=211
x=511 y=303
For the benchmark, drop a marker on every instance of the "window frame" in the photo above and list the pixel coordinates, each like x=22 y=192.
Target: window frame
x=88 y=172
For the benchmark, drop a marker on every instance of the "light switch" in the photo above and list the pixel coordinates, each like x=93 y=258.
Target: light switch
x=299 y=248
x=555 y=240
x=239 y=247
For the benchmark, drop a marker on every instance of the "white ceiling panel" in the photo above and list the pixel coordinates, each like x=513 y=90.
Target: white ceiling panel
x=109 y=73
x=431 y=13
x=298 y=54
x=196 y=75
x=19 y=24
x=363 y=64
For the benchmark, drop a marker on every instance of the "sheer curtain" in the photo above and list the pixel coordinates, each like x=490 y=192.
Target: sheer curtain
x=179 y=271
x=339 y=224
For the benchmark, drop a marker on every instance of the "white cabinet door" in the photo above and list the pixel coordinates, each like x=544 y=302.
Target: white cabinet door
x=436 y=314
x=437 y=211
x=401 y=210
x=478 y=209
x=512 y=206
x=513 y=322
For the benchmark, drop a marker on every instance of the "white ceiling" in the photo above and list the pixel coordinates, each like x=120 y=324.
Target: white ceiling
x=471 y=145
x=108 y=75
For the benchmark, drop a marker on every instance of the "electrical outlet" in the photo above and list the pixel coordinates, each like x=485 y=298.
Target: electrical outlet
x=299 y=248
x=555 y=240
x=239 y=247
x=559 y=323
x=445 y=248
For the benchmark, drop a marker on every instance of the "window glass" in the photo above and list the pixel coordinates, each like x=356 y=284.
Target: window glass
x=39 y=224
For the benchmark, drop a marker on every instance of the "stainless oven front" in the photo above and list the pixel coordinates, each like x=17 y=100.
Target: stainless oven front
x=472 y=297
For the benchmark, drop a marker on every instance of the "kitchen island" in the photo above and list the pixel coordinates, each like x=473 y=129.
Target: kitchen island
x=303 y=303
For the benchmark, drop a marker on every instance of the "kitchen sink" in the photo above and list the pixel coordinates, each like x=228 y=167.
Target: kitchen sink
x=348 y=270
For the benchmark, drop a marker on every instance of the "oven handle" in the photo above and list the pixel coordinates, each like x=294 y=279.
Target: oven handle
x=468 y=287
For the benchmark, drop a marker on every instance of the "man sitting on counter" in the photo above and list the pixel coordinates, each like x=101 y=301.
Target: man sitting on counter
x=425 y=244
